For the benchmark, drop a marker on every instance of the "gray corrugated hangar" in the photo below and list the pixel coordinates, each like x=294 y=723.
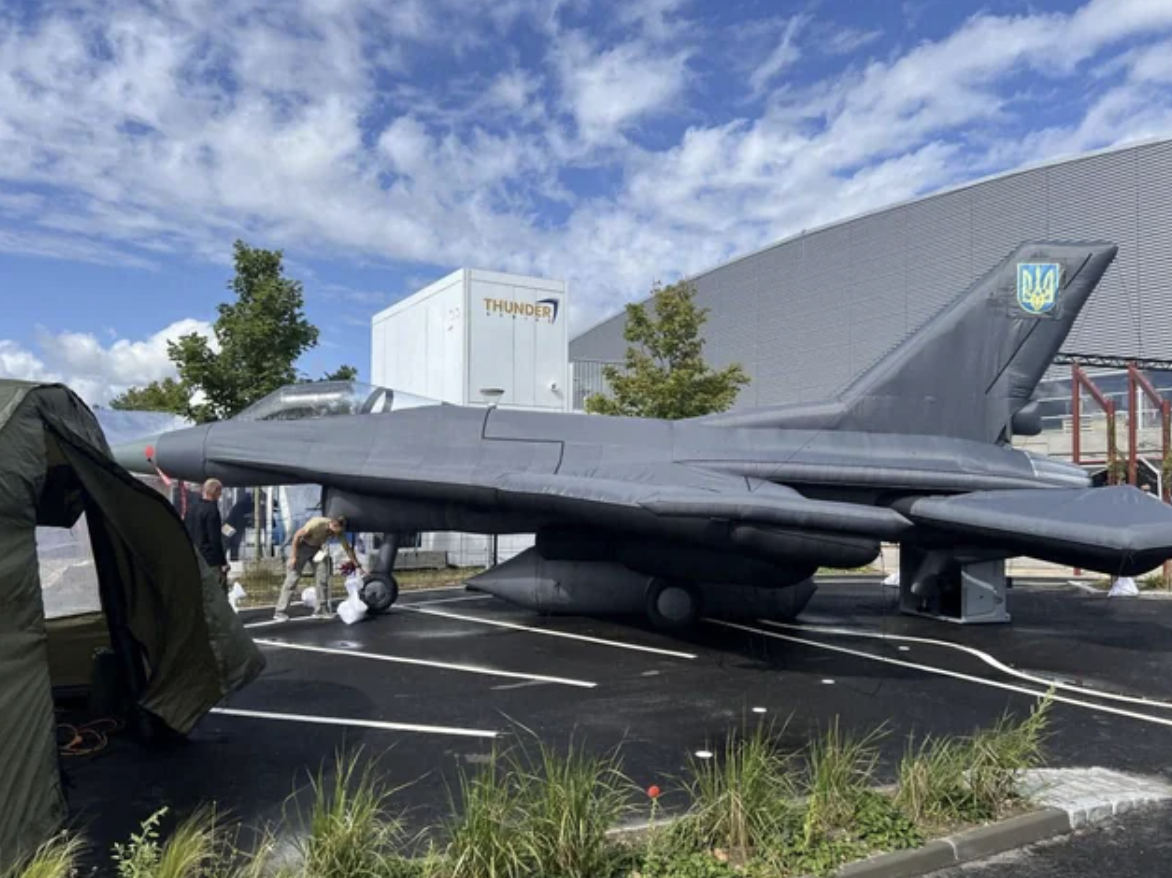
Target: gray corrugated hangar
x=807 y=314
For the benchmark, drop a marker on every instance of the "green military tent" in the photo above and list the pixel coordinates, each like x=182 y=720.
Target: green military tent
x=176 y=643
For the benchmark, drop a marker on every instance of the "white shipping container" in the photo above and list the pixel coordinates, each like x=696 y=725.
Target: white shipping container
x=474 y=330
x=467 y=332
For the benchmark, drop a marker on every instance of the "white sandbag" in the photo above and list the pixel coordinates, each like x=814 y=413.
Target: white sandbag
x=236 y=595
x=350 y=613
x=309 y=597
x=1124 y=587
x=892 y=579
x=352 y=609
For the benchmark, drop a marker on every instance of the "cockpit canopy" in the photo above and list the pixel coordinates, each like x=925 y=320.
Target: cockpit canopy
x=323 y=399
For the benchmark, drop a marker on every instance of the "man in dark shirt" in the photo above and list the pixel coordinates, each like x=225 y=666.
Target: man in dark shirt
x=206 y=530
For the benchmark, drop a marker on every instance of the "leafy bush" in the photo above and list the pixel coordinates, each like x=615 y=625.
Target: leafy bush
x=881 y=824
x=690 y=864
x=192 y=850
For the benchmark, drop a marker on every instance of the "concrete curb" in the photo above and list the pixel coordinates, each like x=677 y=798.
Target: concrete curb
x=964 y=847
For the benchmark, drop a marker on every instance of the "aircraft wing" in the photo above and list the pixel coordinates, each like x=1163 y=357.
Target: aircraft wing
x=721 y=498
x=1117 y=528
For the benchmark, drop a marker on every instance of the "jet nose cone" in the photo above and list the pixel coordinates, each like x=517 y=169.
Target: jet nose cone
x=137 y=456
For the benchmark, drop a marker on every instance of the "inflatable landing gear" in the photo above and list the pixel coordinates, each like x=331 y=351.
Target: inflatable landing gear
x=673 y=604
x=379 y=591
x=379 y=588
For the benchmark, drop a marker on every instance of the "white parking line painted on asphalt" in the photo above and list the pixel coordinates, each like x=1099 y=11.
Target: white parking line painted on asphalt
x=446 y=666
x=348 y=721
x=618 y=644
x=403 y=592
x=317 y=620
x=475 y=597
x=269 y=622
x=985 y=657
x=943 y=672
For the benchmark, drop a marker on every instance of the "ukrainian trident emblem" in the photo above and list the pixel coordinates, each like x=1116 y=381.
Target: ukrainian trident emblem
x=1037 y=286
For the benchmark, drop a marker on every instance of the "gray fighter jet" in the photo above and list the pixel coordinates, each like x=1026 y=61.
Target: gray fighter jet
x=733 y=514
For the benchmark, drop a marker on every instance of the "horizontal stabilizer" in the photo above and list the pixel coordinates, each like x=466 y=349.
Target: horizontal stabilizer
x=1116 y=530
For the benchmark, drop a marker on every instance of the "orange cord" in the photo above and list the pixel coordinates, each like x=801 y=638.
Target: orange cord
x=87 y=739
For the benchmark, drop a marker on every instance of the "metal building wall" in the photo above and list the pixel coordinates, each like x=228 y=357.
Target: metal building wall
x=806 y=315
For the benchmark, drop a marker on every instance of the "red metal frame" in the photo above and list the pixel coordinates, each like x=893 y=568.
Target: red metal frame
x=1138 y=380
x=1079 y=379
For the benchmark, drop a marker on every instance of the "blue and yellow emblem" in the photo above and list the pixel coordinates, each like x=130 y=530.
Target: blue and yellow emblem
x=1037 y=286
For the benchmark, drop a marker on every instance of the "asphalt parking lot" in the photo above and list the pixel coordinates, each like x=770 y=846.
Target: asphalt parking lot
x=434 y=684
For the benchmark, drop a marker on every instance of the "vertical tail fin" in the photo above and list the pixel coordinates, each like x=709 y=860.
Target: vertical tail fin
x=970 y=371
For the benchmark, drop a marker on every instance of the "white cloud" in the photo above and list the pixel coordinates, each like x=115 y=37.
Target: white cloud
x=1153 y=64
x=94 y=371
x=130 y=134
x=16 y=362
x=784 y=54
x=845 y=40
x=514 y=91
x=609 y=90
x=657 y=19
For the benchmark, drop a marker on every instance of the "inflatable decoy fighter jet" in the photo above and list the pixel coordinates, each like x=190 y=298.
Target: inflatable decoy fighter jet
x=732 y=514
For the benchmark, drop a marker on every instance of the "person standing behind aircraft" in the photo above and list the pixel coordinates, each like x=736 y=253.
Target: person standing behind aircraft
x=309 y=545
x=206 y=530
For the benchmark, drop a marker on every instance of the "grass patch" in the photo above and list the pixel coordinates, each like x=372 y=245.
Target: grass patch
x=840 y=770
x=738 y=796
x=949 y=782
x=352 y=831
x=1000 y=755
x=754 y=809
x=538 y=813
x=1153 y=581
x=56 y=858
x=569 y=801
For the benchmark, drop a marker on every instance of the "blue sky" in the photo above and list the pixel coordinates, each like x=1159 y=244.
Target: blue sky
x=383 y=143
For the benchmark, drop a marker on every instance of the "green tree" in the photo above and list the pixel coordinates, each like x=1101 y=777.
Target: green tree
x=260 y=337
x=664 y=374
x=167 y=395
x=342 y=373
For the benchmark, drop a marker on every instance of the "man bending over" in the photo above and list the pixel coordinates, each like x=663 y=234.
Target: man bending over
x=309 y=545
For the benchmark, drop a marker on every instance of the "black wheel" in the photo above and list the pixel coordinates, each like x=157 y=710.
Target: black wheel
x=672 y=604
x=379 y=592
